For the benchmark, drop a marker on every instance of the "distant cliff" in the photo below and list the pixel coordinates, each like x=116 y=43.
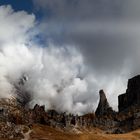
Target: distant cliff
x=132 y=96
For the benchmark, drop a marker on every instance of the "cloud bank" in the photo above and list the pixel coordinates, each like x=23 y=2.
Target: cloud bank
x=55 y=74
x=105 y=32
x=96 y=47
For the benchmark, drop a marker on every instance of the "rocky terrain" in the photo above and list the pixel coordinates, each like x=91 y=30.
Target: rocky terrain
x=46 y=133
x=20 y=122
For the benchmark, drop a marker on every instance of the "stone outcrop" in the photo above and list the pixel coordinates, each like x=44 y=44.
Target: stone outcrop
x=129 y=105
x=132 y=96
x=103 y=106
x=14 y=116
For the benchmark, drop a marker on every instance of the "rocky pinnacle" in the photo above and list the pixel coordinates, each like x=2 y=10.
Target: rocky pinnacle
x=103 y=106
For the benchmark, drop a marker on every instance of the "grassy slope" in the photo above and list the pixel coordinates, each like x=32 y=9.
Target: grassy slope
x=46 y=133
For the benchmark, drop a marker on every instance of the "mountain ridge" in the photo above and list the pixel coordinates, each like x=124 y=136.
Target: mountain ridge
x=14 y=116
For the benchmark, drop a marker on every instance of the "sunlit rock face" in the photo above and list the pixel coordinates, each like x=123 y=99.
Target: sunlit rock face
x=132 y=96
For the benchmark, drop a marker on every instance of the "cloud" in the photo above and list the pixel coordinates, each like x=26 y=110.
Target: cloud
x=14 y=56
x=80 y=9
x=88 y=9
x=105 y=32
x=85 y=51
x=55 y=74
x=14 y=24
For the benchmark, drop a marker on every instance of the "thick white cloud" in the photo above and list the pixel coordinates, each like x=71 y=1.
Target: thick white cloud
x=14 y=55
x=14 y=25
x=105 y=32
x=58 y=76
x=54 y=72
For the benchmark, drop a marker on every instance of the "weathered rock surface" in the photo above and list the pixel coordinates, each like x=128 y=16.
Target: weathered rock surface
x=132 y=95
x=103 y=106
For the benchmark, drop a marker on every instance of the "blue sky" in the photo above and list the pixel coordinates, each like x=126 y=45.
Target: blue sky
x=26 y=5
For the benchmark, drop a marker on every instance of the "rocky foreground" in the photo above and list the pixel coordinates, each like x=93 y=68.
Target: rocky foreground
x=46 y=133
x=19 y=122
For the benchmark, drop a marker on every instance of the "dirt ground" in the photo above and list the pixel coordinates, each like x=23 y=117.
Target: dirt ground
x=46 y=133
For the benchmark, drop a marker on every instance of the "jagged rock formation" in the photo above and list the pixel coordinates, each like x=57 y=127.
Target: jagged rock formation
x=15 y=116
x=105 y=116
x=103 y=106
x=132 y=95
x=129 y=105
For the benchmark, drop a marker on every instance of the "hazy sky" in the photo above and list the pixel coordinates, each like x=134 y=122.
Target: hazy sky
x=70 y=49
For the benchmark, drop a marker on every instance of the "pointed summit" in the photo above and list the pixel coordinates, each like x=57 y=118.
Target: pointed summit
x=103 y=106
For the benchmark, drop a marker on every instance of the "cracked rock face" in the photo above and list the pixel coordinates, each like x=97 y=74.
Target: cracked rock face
x=132 y=95
x=103 y=106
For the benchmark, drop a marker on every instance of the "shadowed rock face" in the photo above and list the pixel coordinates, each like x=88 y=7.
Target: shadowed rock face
x=132 y=96
x=103 y=106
